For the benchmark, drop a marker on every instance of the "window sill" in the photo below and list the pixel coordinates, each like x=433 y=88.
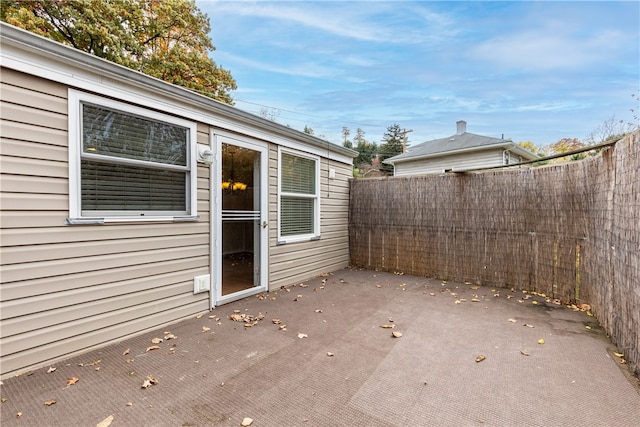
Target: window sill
x=297 y=240
x=130 y=220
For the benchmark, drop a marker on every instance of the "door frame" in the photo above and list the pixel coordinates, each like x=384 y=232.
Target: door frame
x=217 y=139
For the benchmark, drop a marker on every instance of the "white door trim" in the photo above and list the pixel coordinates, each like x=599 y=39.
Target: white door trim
x=215 y=177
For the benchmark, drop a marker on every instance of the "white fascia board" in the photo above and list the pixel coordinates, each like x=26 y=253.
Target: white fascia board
x=38 y=56
x=526 y=154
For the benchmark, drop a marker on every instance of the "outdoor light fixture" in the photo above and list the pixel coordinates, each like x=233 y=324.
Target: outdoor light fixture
x=205 y=155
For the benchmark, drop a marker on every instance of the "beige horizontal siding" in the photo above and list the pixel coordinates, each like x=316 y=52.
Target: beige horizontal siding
x=68 y=288
x=297 y=261
x=32 y=132
x=134 y=288
x=86 y=311
x=462 y=161
x=33 y=84
x=56 y=350
x=34 y=184
x=32 y=236
x=78 y=281
x=59 y=267
x=76 y=250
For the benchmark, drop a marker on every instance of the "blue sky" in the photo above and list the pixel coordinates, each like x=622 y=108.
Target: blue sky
x=537 y=71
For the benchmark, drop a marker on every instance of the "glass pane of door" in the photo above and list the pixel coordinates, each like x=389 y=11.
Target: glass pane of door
x=240 y=218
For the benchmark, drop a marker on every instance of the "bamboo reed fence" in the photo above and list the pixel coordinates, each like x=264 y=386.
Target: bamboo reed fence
x=570 y=231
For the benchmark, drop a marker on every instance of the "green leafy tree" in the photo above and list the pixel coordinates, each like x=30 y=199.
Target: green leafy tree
x=308 y=130
x=366 y=150
x=392 y=146
x=166 y=39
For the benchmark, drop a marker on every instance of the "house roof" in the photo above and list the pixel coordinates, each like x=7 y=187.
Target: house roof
x=459 y=143
x=17 y=42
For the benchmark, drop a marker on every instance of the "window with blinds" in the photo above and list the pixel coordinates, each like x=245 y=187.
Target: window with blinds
x=131 y=165
x=299 y=196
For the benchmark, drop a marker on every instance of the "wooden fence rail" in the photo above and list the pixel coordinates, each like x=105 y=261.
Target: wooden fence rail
x=571 y=231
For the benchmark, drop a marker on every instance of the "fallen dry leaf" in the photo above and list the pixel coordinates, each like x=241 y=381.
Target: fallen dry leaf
x=329 y=354
x=18 y=415
x=458 y=301
x=282 y=327
x=512 y=320
x=129 y=403
x=3 y=399
x=94 y=363
x=153 y=347
x=246 y=422
x=51 y=369
x=318 y=311
x=205 y=328
x=156 y=340
x=169 y=336
x=524 y=353
x=540 y=341
x=72 y=380
x=199 y=316
x=301 y=335
x=106 y=422
x=50 y=402
x=527 y=325
x=475 y=300
x=619 y=354
x=387 y=326
x=149 y=382
x=276 y=321
x=124 y=353
x=480 y=358
x=396 y=334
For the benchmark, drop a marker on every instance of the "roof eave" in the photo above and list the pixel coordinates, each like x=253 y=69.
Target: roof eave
x=449 y=153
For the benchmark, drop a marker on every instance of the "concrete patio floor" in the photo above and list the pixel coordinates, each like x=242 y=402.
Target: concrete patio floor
x=334 y=365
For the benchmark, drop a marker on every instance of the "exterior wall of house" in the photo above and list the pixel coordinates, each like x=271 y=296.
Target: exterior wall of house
x=298 y=261
x=66 y=288
x=471 y=160
x=69 y=288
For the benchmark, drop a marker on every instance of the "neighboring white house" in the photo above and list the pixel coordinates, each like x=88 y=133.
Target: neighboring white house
x=128 y=203
x=458 y=152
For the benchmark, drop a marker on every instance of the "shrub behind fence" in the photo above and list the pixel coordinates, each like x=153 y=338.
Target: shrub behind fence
x=570 y=231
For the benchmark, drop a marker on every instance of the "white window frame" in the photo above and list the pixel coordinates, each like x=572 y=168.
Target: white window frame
x=316 y=198
x=76 y=99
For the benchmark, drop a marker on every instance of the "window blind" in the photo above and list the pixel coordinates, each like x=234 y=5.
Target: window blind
x=298 y=174
x=296 y=216
x=113 y=187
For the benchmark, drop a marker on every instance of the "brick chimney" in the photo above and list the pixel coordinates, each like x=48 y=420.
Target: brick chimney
x=461 y=127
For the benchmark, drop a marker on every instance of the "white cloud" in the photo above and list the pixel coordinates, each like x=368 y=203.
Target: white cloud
x=308 y=69
x=548 y=49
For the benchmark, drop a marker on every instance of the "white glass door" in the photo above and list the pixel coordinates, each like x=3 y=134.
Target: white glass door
x=240 y=211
